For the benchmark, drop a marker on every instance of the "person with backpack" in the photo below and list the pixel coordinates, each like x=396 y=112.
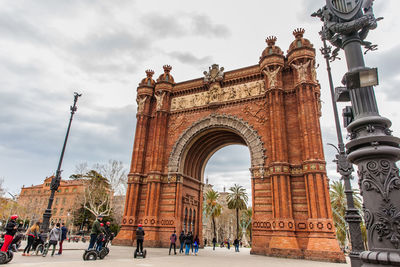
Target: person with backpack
x=11 y=229
x=188 y=242
x=32 y=234
x=181 y=241
x=64 y=231
x=173 y=241
x=196 y=244
x=55 y=236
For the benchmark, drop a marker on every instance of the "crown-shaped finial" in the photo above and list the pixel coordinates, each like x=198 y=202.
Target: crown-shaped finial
x=149 y=73
x=271 y=40
x=298 y=33
x=167 y=68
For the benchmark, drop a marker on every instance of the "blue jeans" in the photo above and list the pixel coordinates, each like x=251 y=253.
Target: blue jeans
x=187 y=249
x=196 y=249
x=181 y=249
x=99 y=245
x=93 y=238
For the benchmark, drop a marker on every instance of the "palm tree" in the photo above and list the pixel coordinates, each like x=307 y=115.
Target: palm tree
x=237 y=199
x=212 y=207
x=339 y=206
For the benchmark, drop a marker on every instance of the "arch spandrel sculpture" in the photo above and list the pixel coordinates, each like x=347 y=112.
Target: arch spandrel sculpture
x=278 y=121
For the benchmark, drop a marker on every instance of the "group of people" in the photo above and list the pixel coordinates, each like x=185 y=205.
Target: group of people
x=100 y=234
x=34 y=235
x=236 y=243
x=187 y=241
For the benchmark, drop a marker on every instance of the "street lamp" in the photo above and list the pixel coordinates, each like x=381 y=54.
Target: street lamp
x=345 y=169
x=55 y=182
x=371 y=147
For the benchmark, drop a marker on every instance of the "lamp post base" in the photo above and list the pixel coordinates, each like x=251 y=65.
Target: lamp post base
x=379 y=258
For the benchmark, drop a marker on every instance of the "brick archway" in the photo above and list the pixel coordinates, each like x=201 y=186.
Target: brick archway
x=224 y=130
x=273 y=108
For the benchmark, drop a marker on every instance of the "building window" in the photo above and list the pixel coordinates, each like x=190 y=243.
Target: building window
x=74 y=190
x=56 y=200
x=55 y=211
x=299 y=43
x=61 y=212
x=64 y=199
x=66 y=190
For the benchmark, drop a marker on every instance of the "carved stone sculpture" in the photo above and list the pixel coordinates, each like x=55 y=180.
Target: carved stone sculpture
x=272 y=76
x=301 y=69
x=214 y=74
x=160 y=98
x=140 y=101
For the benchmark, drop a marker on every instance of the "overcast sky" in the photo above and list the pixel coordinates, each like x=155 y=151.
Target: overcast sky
x=49 y=49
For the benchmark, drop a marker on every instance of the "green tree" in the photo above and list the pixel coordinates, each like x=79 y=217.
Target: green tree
x=237 y=200
x=212 y=207
x=339 y=206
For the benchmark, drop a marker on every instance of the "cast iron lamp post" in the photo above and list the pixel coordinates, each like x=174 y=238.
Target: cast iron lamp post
x=371 y=147
x=345 y=169
x=55 y=182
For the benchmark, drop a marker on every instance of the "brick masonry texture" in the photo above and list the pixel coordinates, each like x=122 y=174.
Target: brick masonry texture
x=279 y=123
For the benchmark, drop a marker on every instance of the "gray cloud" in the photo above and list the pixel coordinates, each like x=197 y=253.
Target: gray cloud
x=189 y=58
x=183 y=24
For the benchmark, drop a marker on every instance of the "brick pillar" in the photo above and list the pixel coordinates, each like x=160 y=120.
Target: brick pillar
x=145 y=91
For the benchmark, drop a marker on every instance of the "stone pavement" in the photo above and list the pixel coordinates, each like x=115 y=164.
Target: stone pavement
x=123 y=256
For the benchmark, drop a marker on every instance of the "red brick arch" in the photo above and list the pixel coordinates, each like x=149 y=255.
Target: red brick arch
x=273 y=108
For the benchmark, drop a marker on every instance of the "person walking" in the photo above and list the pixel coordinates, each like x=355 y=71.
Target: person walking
x=11 y=230
x=181 y=241
x=188 y=242
x=214 y=241
x=228 y=243
x=55 y=236
x=96 y=230
x=32 y=234
x=139 y=238
x=64 y=231
x=196 y=244
x=173 y=242
x=236 y=244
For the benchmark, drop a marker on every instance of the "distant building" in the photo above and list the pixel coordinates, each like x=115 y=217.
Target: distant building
x=68 y=198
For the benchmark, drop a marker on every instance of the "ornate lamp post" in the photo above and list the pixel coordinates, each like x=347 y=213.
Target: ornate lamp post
x=371 y=147
x=55 y=182
x=345 y=169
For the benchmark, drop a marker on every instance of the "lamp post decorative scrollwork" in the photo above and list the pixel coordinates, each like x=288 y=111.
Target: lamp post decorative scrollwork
x=371 y=147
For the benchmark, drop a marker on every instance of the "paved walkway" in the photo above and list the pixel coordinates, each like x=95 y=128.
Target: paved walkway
x=123 y=256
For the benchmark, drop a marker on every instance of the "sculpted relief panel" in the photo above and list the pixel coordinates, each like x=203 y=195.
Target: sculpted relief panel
x=217 y=94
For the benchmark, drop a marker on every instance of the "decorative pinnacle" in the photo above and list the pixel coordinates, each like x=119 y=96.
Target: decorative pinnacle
x=271 y=40
x=298 y=33
x=167 y=68
x=149 y=73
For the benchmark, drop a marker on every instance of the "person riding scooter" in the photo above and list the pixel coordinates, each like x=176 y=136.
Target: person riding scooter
x=139 y=238
x=11 y=229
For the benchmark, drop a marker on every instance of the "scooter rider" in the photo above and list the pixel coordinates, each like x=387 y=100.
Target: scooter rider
x=96 y=230
x=139 y=238
x=11 y=229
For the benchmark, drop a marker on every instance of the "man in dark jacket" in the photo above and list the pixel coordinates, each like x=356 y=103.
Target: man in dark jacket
x=64 y=232
x=96 y=230
x=173 y=242
x=214 y=241
x=11 y=229
x=181 y=241
x=139 y=238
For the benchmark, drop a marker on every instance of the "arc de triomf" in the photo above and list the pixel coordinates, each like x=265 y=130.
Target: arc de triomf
x=273 y=108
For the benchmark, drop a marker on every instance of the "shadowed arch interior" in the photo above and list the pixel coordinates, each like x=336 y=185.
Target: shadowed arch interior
x=204 y=146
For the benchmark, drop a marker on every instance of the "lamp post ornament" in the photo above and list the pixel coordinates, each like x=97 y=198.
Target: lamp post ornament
x=371 y=147
x=345 y=169
x=55 y=182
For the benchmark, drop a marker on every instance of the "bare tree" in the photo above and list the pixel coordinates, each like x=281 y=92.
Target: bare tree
x=115 y=172
x=98 y=194
x=81 y=169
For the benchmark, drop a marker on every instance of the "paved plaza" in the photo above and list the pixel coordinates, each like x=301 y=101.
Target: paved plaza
x=123 y=256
